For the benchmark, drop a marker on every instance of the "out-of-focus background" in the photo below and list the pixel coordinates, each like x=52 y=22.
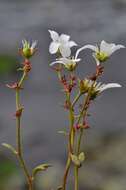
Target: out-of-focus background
x=87 y=21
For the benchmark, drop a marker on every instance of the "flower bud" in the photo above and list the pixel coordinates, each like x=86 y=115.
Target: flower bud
x=28 y=49
x=84 y=85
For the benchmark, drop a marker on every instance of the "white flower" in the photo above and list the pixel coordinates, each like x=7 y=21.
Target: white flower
x=103 y=52
x=95 y=88
x=61 y=43
x=98 y=88
x=69 y=63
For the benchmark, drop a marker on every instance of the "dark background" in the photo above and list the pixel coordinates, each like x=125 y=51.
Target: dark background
x=87 y=21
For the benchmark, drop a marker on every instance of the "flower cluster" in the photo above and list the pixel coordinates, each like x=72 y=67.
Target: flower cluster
x=61 y=45
x=88 y=88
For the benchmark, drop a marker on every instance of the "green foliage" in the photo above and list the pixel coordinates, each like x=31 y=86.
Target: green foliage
x=8 y=64
x=40 y=168
x=7 y=168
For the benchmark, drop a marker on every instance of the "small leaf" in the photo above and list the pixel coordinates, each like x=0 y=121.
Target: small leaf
x=75 y=160
x=60 y=188
x=9 y=147
x=63 y=132
x=81 y=157
x=20 y=69
x=40 y=168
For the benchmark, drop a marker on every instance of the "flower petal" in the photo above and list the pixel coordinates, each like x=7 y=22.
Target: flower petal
x=34 y=44
x=117 y=47
x=64 y=60
x=93 y=48
x=109 y=85
x=64 y=38
x=53 y=48
x=54 y=35
x=65 y=50
x=72 y=43
x=55 y=62
x=106 y=47
x=109 y=48
x=77 y=60
x=97 y=61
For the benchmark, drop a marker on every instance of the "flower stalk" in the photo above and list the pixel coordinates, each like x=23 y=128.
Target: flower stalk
x=88 y=87
x=70 y=141
x=18 y=136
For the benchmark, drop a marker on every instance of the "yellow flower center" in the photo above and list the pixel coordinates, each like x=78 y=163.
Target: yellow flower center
x=101 y=56
x=70 y=66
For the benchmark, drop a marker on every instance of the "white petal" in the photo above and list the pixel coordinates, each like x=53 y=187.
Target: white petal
x=97 y=61
x=72 y=43
x=117 y=47
x=109 y=48
x=94 y=48
x=53 y=48
x=64 y=60
x=67 y=60
x=34 y=44
x=77 y=60
x=53 y=63
x=64 y=38
x=54 y=35
x=109 y=85
x=106 y=47
x=65 y=50
x=23 y=42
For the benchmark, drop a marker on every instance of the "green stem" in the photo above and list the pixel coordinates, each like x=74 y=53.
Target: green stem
x=83 y=114
x=76 y=99
x=70 y=143
x=18 y=126
x=22 y=79
x=76 y=178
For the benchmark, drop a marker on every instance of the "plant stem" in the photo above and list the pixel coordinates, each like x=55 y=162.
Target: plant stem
x=70 y=143
x=76 y=178
x=18 y=126
x=76 y=99
x=83 y=114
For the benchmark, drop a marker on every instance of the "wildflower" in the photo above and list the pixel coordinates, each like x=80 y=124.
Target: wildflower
x=69 y=63
x=103 y=52
x=98 y=88
x=84 y=85
x=28 y=49
x=61 y=43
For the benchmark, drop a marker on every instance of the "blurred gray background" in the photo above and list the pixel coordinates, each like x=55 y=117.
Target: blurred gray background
x=87 y=21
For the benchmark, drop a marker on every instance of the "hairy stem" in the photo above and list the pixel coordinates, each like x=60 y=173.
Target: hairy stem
x=18 y=137
x=83 y=114
x=70 y=143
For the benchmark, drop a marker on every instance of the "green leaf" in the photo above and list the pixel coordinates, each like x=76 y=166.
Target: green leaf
x=10 y=147
x=75 y=160
x=81 y=157
x=42 y=167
